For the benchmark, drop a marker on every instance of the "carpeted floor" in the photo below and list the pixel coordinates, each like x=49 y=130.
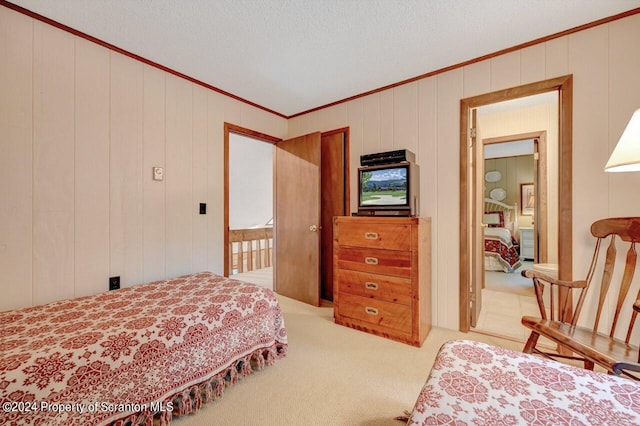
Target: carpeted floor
x=332 y=375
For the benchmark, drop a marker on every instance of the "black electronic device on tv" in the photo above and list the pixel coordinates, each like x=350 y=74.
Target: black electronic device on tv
x=388 y=157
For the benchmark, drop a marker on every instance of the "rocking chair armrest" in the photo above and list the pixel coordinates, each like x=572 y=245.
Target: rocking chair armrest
x=621 y=367
x=530 y=273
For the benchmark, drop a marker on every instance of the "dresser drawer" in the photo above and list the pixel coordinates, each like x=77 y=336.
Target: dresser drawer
x=386 y=314
x=375 y=235
x=382 y=287
x=376 y=261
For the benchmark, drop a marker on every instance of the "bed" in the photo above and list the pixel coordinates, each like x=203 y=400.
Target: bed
x=473 y=383
x=138 y=355
x=501 y=249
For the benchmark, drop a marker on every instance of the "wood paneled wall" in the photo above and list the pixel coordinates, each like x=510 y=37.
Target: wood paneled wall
x=424 y=117
x=81 y=127
x=515 y=171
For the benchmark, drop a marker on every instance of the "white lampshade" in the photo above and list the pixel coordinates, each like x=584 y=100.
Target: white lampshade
x=626 y=156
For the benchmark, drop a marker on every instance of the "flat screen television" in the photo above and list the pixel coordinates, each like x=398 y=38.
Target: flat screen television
x=389 y=190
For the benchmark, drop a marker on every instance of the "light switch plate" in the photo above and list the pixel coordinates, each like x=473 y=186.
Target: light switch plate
x=158 y=173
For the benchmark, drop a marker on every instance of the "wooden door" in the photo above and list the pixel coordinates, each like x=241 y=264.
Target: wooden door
x=297 y=218
x=334 y=197
x=477 y=225
x=540 y=183
x=536 y=216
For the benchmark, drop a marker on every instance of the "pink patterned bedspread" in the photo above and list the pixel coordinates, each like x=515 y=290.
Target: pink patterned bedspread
x=158 y=349
x=472 y=383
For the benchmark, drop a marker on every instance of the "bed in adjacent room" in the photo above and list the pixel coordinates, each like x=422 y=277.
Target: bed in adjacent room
x=501 y=249
x=138 y=355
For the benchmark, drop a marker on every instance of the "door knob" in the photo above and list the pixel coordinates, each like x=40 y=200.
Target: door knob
x=313 y=228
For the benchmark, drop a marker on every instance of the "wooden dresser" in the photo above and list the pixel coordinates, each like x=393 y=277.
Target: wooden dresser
x=382 y=276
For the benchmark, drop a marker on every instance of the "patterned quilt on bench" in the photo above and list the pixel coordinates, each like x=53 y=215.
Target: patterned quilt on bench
x=473 y=383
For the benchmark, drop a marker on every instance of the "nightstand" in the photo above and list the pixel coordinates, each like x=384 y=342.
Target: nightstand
x=526 y=243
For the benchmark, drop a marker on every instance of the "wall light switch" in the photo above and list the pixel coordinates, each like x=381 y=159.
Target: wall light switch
x=158 y=173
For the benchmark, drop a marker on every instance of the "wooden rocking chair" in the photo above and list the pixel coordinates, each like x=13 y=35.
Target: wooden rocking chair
x=567 y=299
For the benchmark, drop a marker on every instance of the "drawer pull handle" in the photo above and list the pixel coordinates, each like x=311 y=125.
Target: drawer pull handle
x=370 y=235
x=371 y=260
x=371 y=286
x=371 y=311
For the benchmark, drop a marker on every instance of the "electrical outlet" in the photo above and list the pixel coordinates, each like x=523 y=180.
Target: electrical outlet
x=203 y=208
x=114 y=283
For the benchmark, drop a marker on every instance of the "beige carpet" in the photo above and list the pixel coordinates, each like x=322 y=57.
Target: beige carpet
x=263 y=277
x=332 y=375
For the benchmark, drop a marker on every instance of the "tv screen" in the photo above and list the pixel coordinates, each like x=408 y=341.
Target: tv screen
x=384 y=187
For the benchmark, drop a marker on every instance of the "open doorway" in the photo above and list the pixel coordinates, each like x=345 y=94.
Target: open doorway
x=279 y=235
x=249 y=209
x=472 y=196
x=513 y=186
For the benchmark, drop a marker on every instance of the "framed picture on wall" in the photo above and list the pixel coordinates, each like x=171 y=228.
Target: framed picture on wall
x=527 y=199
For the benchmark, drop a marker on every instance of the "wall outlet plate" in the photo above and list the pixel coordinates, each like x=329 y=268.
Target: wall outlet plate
x=114 y=283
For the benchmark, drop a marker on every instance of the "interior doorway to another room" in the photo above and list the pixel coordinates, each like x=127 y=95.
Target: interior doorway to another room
x=494 y=300
x=252 y=167
x=513 y=186
x=249 y=209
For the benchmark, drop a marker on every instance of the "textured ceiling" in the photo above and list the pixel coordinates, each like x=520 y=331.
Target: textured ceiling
x=290 y=56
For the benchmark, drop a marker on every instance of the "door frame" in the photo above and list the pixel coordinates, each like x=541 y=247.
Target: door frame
x=539 y=149
x=540 y=182
x=564 y=86
x=232 y=128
